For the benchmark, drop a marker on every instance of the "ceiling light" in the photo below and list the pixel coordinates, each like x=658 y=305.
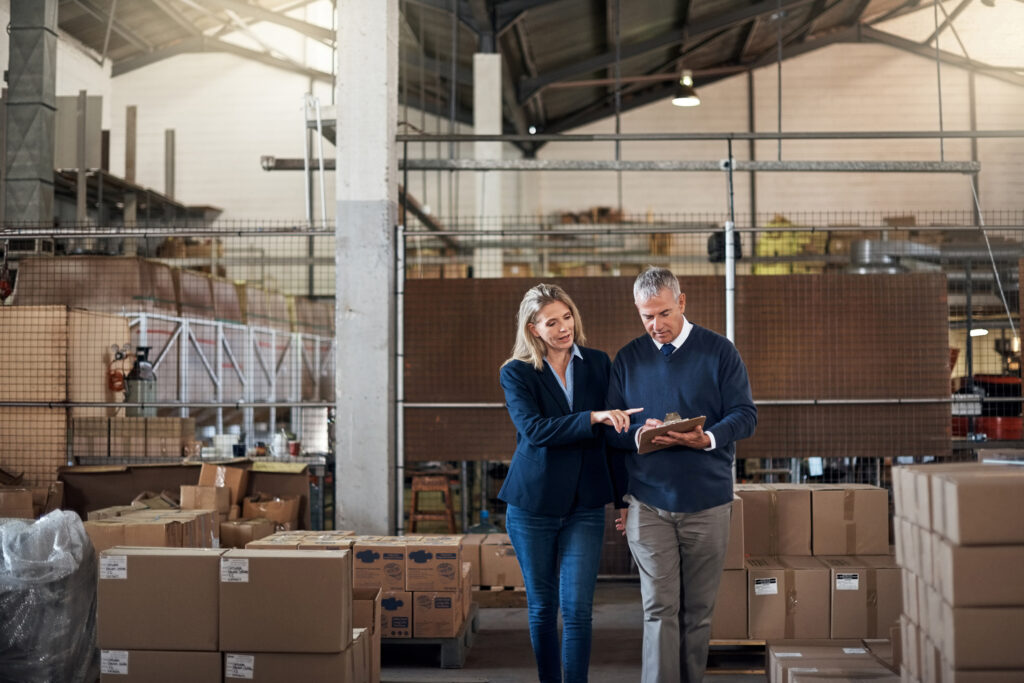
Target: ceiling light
x=685 y=95
x=533 y=130
x=979 y=332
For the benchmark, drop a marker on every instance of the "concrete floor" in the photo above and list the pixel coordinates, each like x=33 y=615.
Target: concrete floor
x=501 y=652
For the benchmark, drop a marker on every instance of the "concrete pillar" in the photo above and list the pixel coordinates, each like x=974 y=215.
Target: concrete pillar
x=487 y=120
x=31 y=110
x=367 y=181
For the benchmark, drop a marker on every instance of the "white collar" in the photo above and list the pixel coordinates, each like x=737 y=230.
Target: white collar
x=678 y=341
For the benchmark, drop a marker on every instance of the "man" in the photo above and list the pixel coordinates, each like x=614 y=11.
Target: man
x=680 y=497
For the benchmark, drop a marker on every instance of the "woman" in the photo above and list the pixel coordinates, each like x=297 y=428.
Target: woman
x=559 y=481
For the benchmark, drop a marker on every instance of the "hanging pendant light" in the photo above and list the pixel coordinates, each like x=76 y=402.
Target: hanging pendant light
x=685 y=95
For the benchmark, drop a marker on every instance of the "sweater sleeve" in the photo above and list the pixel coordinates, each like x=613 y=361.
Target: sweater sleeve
x=739 y=414
x=624 y=441
x=527 y=416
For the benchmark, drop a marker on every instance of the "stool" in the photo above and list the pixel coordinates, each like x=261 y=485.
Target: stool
x=431 y=482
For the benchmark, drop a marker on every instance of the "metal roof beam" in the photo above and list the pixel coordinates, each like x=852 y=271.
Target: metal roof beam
x=695 y=30
x=465 y=15
x=871 y=34
x=179 y=18
x=324 y=35
x=118 y=28
x=948 y=21
x=207 y=44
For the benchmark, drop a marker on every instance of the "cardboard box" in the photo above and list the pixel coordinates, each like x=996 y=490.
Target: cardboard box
x=164 y=436
x=153 y=666
x=983 y=637
x=729 y=621
x=269 y=599
x=908 y=586
x=282 y=510
x=466 y=589
x=206 y=498
x=858 y=675
x=234 y=478
x=326 y=541
x=113 y=511
x=499 y=565
x=378 y=563
x=950 y=675
x=90 y=437
x=931 y=660
x=788 y=597
x=132 y=530
x=366 y=613
x=911 y=542
x=140 y=603
x=804 y=655
x=239 y=532
x=926 y=562
x=275 y=667
x=471 y=553
x=849 y=519
x=735 y=556
x=959 y=570
x=984 y=509
x=436 y=614
x=865 y=595
x=434 y=564
x=361 y=665
x=279 y=540
x=776 y=519
x=396 y=614
x=128 y=437
x=16 y=503
x=911 y=647
x=928 y=507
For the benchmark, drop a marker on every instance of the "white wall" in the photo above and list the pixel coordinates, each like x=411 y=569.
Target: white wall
x=826 y=90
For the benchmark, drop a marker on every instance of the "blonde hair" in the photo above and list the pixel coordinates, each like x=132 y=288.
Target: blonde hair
x=531 y=349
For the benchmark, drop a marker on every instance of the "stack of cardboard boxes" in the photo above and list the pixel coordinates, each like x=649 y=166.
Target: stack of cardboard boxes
x=423 y=581
x=259 y=615
x=809 y=562
x=960 y=543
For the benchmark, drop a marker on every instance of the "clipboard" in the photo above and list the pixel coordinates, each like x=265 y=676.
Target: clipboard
x=673 y=423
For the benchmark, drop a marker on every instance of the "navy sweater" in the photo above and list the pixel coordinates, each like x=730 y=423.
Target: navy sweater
x=706 y=376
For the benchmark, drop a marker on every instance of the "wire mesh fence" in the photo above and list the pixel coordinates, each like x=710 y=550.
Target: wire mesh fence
x=871 y=337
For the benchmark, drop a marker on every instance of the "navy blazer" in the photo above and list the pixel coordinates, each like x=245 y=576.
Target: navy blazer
x=560 y=457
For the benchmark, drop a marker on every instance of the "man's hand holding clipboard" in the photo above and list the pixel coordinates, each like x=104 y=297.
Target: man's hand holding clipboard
x=674 y=431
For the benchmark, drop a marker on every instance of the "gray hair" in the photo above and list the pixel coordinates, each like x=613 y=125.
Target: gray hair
x=528 y=348
x=652 y=281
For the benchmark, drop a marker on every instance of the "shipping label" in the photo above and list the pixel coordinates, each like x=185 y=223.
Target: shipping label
x=238 y=666
x=234 y=570
x=114 y=662
x=847 y=582
x=854 y=651
x=114 y=567
x=769 y=586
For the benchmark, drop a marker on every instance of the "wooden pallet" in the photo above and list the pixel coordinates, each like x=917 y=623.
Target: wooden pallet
x=736 y=657
x=499 y=596
x=448 y=653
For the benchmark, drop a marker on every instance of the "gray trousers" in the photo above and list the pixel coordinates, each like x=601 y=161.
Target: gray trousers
x=680 y=556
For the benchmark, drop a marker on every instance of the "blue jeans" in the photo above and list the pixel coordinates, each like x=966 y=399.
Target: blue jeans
x=559 y=557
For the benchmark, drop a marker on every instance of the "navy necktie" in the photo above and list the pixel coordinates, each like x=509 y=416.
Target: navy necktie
x=667 y=350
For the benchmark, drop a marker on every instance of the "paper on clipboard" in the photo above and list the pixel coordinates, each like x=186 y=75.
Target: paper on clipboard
x=673 y=423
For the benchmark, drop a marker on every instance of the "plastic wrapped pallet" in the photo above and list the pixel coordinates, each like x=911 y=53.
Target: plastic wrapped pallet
x=47 y=601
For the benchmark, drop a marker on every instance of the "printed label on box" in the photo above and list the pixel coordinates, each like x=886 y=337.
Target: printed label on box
x=802 y=670
x=847 y=582
x=114 y=567
x=114 y=662
x=234 y=570
x=399 y=622
x=238 y=666
x=766 y=586
x=854 y=651
x=789 y=654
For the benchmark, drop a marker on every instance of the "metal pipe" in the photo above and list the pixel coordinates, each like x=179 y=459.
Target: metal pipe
x=168 y=404
x=967 y=167
x=765 y=135
x=730 y=257
x=762 y=402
